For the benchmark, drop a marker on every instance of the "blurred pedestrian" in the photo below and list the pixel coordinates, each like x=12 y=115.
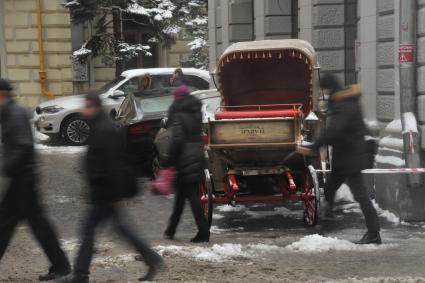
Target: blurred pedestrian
x=110 y=181
x=345 y=131
x=21 y=199
x=177 y=78
x=186 y=155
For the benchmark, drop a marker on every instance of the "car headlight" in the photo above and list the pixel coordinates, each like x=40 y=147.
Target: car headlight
x=51 y=109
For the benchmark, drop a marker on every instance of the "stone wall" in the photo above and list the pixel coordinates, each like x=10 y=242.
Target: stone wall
x=22 y=60
x=386 y=61
x=328 y=35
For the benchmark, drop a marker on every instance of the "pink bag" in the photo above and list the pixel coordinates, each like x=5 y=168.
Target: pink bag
x=164 y=183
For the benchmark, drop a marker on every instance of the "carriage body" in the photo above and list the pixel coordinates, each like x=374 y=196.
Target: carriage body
x=268 y=90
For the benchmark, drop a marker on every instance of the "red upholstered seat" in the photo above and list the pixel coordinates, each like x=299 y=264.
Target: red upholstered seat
x=257 y=114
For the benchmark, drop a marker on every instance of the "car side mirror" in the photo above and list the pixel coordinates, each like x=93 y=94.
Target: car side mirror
x=163 y=123
x=117 y=94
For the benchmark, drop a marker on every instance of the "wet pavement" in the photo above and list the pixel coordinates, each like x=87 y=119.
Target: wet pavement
x=261 y=242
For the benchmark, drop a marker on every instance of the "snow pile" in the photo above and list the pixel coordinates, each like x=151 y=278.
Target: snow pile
x=217 y=216
x=218 y=253
x=390 y=160
x=216 y=230
x=118 y=260
x=316 y=243
x=45 y=149
x=389 y=216
x=344 y=194
x=40 y=137
x=391 y=142
x=410 y=124
x=278 y=211
x=230 y=208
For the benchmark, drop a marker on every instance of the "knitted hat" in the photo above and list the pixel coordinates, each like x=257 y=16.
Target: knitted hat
x=181 y=92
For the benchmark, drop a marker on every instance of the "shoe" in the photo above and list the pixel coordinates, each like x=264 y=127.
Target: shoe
x=370 y=238
x=168 y=235
x=152 y=271
x=53 y=275
x=201 y=238
x=74 y=278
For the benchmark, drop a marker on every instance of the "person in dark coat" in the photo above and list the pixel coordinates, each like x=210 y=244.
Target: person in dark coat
x=109 y=182
x=187 y=156
x=21 y=198
x=345 y=132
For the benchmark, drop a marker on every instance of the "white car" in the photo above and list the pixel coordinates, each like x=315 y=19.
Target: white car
x=60 y=117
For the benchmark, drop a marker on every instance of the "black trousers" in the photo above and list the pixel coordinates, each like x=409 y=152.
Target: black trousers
x=360 y=193
x=98 y=214
x=188 y=191
x=21 y=203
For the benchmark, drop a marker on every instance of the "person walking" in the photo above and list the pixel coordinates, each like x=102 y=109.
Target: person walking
x=186 y=155
x=110 y=180
x=345 y=131
x=21 y=200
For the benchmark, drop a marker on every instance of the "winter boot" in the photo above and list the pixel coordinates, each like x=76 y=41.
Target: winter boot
x=152 y=271
x=370 y=238
x=201 y=238
x=53 y=274
x=75 y=278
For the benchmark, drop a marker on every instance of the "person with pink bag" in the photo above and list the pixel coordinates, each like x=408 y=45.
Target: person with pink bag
x=186 y=157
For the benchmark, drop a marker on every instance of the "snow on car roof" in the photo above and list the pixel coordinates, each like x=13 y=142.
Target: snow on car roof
x=166 y=71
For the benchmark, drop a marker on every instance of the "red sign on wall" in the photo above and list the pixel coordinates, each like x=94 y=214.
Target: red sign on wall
x=405 y=53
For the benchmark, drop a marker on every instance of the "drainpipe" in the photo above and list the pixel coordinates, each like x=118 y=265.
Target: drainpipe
x=407 y=61
x=42 y=72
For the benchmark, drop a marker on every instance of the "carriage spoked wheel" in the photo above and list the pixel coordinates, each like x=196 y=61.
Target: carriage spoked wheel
x=206 y=195
x=310 y=197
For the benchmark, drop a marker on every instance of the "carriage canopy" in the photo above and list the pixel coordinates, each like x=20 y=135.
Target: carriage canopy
x=268 y=72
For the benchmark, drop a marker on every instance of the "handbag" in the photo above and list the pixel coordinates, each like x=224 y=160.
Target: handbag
x=164 y=183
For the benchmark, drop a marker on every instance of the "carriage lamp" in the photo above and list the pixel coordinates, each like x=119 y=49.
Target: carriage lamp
x=310 y=125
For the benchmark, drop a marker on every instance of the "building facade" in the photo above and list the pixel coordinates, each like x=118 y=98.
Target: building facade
x=20 y=55
x=355 y=39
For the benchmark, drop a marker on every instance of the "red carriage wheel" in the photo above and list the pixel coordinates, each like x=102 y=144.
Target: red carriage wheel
x=310 y=197
x=206 y=196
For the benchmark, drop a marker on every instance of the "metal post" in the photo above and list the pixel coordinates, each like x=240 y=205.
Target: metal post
x=408 y=87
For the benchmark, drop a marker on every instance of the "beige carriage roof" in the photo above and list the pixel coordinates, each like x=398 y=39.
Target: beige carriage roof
x=281 y=44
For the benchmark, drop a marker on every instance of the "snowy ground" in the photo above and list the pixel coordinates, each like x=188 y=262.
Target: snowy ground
x=260 y=242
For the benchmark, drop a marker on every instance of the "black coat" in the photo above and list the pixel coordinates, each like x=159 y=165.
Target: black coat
x=105 y=160
x=17 y=140
x=186 y=152
x=345 y=132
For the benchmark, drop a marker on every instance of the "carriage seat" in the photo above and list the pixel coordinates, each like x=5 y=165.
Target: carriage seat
x=287 y=113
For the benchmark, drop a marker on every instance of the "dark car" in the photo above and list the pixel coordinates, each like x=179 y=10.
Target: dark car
x=140 y=116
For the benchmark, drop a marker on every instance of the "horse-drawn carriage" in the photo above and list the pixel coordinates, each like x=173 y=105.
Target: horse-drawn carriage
x=268 y=91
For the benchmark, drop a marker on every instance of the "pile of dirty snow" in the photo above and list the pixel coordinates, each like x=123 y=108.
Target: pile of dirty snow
x=45 y=149
x=218 y=253
x=316 y=243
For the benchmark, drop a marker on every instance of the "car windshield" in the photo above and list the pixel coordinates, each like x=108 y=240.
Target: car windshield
x=154 y=104
x=109 y=85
